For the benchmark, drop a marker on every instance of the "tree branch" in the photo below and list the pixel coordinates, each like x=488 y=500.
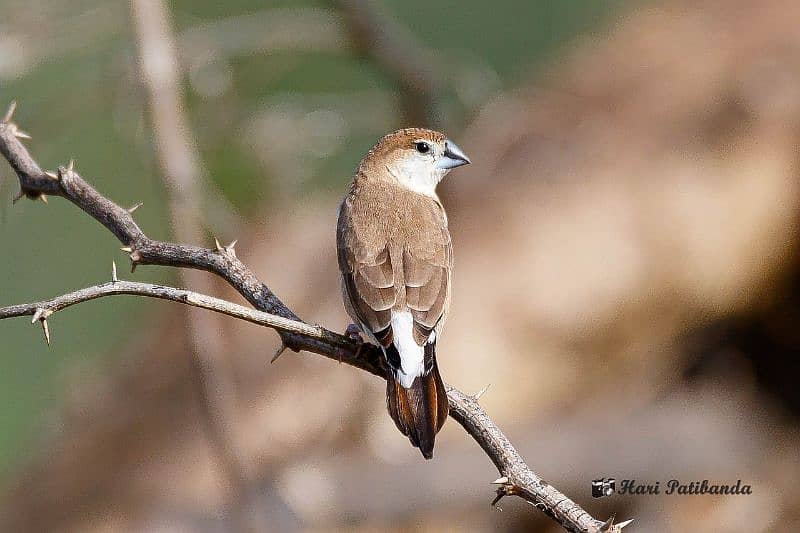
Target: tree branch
x=195 y=299
x=516 y=477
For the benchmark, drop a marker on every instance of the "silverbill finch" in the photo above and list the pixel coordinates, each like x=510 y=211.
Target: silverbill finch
x=396 y=261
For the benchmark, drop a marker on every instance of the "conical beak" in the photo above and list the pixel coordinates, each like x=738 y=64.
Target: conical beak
x=453 y=156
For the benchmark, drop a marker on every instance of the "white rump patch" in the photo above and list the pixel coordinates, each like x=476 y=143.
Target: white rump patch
x=412 y=355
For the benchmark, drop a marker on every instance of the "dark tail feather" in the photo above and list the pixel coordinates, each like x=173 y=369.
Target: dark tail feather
x=419 y=411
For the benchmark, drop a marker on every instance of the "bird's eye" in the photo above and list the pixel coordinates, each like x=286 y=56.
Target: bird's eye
x=422 y=147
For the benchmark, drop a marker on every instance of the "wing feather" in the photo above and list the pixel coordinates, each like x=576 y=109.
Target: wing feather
x=367 y=276
x=427 y=265
x=407 y=270
x=380 y=274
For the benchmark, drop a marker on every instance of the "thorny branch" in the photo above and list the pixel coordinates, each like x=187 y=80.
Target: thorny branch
x=516 y=479
x=45 y=309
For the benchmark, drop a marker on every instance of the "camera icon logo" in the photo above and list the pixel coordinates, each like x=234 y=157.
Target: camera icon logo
x=605 y=486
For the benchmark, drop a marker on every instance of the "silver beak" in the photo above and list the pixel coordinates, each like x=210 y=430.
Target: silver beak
x=453 y=156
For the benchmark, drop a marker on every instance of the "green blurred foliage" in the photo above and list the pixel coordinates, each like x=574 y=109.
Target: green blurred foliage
x=86 y=103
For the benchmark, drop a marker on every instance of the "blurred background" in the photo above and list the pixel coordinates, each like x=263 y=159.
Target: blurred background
x=626 y=271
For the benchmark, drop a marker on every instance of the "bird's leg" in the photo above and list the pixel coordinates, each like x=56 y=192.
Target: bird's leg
x=354 y=332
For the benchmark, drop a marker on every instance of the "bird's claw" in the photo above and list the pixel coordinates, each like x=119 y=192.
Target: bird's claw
x=354 y=332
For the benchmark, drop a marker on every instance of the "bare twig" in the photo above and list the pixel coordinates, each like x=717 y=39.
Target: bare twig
x=521 y=481
x=47 y=308
x=183 y=173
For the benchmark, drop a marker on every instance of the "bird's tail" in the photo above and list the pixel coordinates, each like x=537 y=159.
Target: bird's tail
x=420 y=410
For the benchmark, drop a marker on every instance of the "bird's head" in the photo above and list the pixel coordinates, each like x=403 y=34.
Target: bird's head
x=415 y=158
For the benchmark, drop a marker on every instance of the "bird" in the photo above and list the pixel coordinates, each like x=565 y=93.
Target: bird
x=396 y=261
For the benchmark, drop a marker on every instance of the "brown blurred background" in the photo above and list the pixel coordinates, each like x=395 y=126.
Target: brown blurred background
x=626 y=272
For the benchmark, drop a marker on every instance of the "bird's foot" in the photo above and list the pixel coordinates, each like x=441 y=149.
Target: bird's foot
x=354 y=332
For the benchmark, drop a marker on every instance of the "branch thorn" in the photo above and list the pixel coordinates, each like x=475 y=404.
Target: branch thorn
x=497 y=498
x=278 y=353
x=19 y=134
x=126 y=249
x=228 y=250
x=506 y=489
x=606 y=526
x=10 y=112
x=500 y=481
x=114 y=277
x=46 y=330
x=609 y=525
x=135 y=256
x=481 y=392
x=135 y=207
x=66 y=172
x=43 y=197
x=51 y=174
x=41 y=315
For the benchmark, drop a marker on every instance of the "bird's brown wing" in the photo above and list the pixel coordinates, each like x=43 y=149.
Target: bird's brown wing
x=420 y=262
x=427 y=266
x=367 y=276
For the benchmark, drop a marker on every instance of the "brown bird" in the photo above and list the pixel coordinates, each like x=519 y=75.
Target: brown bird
x=396 y=260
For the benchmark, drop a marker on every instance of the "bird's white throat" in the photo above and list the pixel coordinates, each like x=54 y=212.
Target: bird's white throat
x=420 y=176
